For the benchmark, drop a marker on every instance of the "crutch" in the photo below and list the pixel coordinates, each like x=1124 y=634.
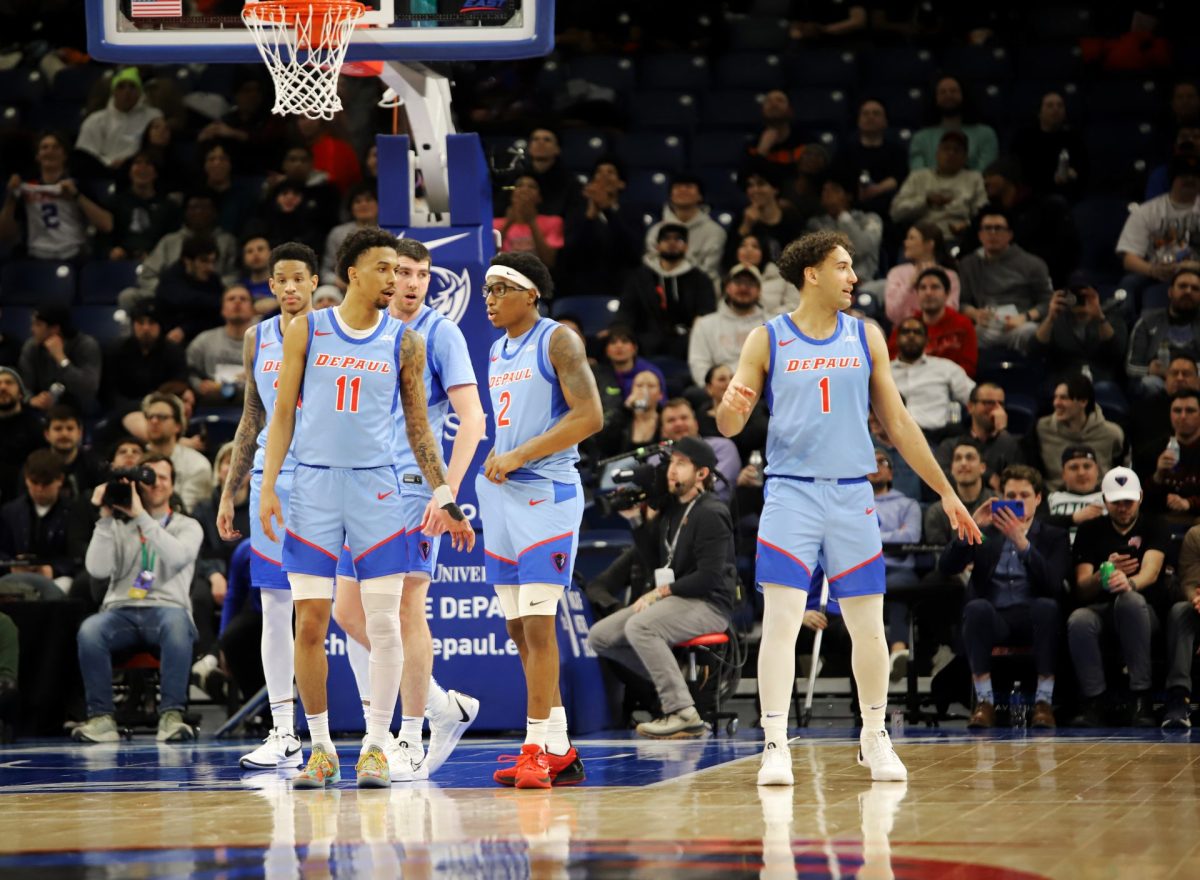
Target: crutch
x=806 y=715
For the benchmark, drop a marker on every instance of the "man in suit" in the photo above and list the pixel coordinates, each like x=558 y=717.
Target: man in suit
x=689 y=546
x=1014 y=590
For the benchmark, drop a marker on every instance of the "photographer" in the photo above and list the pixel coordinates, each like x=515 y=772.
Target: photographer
x=690 y=548
x=1078 y=333
x=148 y=553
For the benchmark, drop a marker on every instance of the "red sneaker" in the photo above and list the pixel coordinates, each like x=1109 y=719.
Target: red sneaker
x=533 y=770
x=564 y=769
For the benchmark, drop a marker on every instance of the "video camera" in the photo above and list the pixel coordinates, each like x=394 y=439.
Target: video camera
x=118 y=492
x=645 y=481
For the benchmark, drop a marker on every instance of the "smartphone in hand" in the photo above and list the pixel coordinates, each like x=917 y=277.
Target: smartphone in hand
x=1017 y=508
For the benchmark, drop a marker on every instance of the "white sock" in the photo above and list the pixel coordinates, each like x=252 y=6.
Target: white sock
x=869 y=656
x=366 y=707
x=283 y=717
x=536 y=732
x=437 y=700
x=381 y=602
x=278 y=657
x=557 y=741
x=359 y=656
x=410 y=729
x=318 y=730
x=783 y=615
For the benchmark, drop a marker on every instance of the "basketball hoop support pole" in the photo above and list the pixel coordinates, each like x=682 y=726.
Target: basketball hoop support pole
x=425 y=95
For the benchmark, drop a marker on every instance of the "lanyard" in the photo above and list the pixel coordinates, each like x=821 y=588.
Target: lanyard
x=149 y=557
x=671 y=544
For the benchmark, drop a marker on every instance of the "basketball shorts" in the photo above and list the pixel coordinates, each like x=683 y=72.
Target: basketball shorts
x=530 y=528
x=833 y=524
x=359 y=508
x=422 y=549
x=266 y=556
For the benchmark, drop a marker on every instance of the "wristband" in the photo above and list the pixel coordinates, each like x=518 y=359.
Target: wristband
x=445 y=500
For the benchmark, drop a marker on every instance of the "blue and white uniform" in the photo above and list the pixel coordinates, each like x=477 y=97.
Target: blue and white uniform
x=531 y=522
x=266 y=555
x=447 y=365
x=345 y=489
x=819 y=506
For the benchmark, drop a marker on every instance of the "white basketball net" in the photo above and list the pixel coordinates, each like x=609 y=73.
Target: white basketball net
x=303 y=43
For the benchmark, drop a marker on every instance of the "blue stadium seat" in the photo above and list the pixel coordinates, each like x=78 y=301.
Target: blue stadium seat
x=750 y=70
x=102 y=280
x=1099 y=220
x=595 y=313
x=550 y=76
x=14 y=321
x=23 y=86
x=732 y=108
x=1050 y=62
x=581 y=147
x=1066 y=23
x=218 y=426
x=807 y=68
x=677 y=111
x=73 y=85
x=10 y=118
x=905 y=104
x=647 y=189
x=53 y=116
x=609 y=71
x=1122 y=99
x=676 y=372
x=979 y=62
x=664 y=152
x=899 y=65
x=1022 y=413
x=100 y=322
x=821 y=107
x=1124 y=148
x=721 y=190
x=680 y=71
x=754 y=34
x=720 y=149
x=990 y=101
x=37 y=283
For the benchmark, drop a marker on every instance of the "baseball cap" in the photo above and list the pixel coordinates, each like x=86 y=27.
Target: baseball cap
x=744 y=269
x=672 y=229
x=697 y=451
x=956 y=136
x=1080 y=450
x=20 y=382
x=1121 y=484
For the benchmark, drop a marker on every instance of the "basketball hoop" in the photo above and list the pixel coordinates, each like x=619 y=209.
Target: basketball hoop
x=303 y=43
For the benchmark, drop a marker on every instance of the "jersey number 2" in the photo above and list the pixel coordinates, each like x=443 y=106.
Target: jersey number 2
x=505 y=402
x=355 y=386
x=824 y=386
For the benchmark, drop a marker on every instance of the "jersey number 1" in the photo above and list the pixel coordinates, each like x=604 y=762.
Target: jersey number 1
x=355 y=386
x=824 y=386
x=505 y=402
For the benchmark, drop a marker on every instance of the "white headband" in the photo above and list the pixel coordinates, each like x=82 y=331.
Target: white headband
x=509 y=274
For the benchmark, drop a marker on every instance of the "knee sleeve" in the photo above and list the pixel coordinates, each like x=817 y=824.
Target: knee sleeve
x=381 y=603
x=310 y=586
x=539 y=600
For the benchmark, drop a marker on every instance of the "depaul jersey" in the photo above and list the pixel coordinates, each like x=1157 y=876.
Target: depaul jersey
x=527 y=399
x=351 y=393
x=818 y=393
x=268 y=360
x=447 y=365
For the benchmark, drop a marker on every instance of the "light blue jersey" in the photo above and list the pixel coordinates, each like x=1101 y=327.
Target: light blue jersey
x=350 y=395
x=447 y=365
x=526 y=398
x=268 y=360
x=818 y=393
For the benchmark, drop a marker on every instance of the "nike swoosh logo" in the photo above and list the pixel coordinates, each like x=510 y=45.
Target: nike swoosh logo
x=870 y=510
x=496 y=358
x=784 y=342
x=266 y=345
x=539 y=501
x=465 y=716
x=322 y=333
x=382 y=495
x=287 y=753
x=539 y=602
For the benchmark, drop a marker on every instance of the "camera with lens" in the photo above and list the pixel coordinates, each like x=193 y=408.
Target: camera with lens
x=644 y=482
x=118 y=492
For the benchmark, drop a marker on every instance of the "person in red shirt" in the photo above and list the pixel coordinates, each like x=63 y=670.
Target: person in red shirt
x=330 y=153
x=951 y=335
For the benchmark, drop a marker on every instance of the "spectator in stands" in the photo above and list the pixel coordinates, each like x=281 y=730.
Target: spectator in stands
x=1040 y=148
x=1183 y=635
x=140 y=363
x=1187 y=141
x=1150 y=422
x=189 y=293
x=622 y=363
x=933 y=387
x=59 y=362
x=114 y=134
x=1185 y=104
x=135 y=424
x=250 y=129
x=779 y=142
x=255 y=272
x=1043 y=225
x=967 y=469
x=1136 y=544
x=1080 y=498
x=21 y=431
x=199 y=221
x=1005 y=289
x=525 y=228
x=1173 y=489
x=948 y=334
x=287 y=215
x=10 y=350
x=706 y=237
x=773 y=222
x=215 y=364
x=874 y=158
x=235 y=204
x=173 y=158
x=1077 y=334
x=363 y=205
x=57 y=214
x=824 y=23
x=863 y=228
x=320 y=196
x=326 y=296
x=141 y=214
x=602 y=240
x=947 y=194
x=664 y=296
x=989 y=427
x=165 y=424
x=718 y=338
x=778 y=296
x=1076 y=420
x=82 y=468
x=140 y=610
x=331 y=153
x=949 y=104
x=637 y=422
x=899 y=523
x=1013 y=592
x=558 y=187
x=904 y=478
x=924 y=248
x=37 y=528
x=679 y=420
x=1161 y=334
x=1159 y=235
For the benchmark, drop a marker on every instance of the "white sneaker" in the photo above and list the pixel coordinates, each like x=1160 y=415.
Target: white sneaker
x=776 y=767
x=279 y=751
x=875 y=752
x=899 y=664
x=406 y=760
x=941 y=659
x=447 y=727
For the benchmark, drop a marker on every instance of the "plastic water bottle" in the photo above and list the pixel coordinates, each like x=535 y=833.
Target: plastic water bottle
x=1017 y=708
x=1173 y=448
x=1164 y=354
x=1062 y=172
x=756 y=462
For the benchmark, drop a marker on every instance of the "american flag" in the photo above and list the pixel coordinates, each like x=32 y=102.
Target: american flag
x=156 y=8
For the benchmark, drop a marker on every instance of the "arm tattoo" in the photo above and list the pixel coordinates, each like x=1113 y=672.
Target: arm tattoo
x=570 y=362
x=425 y=446
x=253 y=419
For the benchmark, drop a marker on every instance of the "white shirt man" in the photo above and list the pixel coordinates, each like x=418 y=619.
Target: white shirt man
x=929 y=385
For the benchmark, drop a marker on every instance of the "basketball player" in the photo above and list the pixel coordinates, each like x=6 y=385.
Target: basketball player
x=354 y=362
x=293 y=280
x=450 y=381
x=545 y=402
x=821 y=370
